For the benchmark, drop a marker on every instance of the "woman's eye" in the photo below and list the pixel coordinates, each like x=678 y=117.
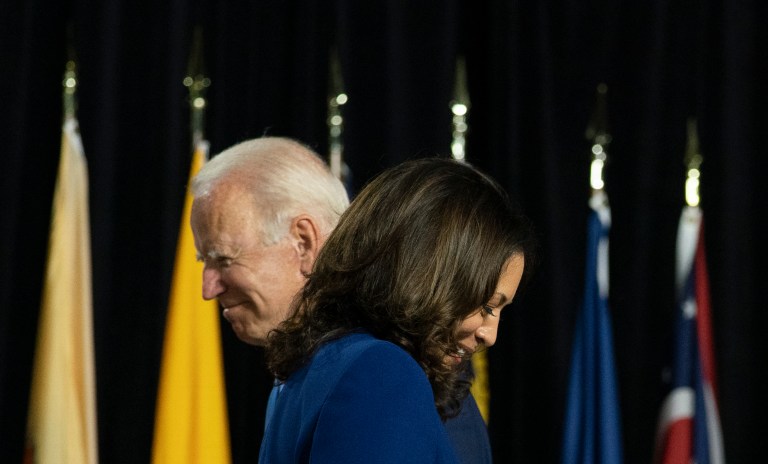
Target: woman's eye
x=488 y=310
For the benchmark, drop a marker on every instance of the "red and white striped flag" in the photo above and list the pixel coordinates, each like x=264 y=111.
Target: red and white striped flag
x=689 y=423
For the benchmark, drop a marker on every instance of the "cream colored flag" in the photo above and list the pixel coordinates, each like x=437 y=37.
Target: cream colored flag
x=191 y=417
x=61 y=427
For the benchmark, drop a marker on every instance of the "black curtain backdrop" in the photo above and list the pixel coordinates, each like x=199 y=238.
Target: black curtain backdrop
x=532 y=71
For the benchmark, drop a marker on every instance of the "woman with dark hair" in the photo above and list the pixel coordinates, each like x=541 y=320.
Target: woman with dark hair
x=409 y=284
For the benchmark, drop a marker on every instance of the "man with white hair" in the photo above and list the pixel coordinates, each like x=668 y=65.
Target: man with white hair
x=261 y=211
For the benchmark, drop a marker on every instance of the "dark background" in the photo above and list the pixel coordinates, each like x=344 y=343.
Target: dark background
x=532 y=69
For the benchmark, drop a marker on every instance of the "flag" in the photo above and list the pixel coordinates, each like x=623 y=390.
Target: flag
x=592 y=428
x=191 y=416
x=61 y=426
x=689 y=424
x=480 y=388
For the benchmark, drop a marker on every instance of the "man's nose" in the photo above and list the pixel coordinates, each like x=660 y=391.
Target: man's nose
x=212 y=284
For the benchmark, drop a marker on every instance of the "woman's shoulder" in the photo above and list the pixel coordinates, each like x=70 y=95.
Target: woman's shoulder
x=360 y=354
x=373 y=393
x=362 y=346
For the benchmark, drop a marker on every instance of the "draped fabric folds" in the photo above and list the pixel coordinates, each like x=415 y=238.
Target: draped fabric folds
x=191 y=424
x=689 y=422
x=592 y=428
x=62 y=412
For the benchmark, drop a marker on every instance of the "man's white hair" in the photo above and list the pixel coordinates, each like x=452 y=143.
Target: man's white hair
x=284 y=177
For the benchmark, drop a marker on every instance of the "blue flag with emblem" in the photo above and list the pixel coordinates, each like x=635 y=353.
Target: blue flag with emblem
x=592 y=427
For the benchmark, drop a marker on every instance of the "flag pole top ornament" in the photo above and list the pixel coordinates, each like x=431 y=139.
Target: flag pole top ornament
x=693 y=160
x=197 y=83
x=70 y=88
x=69 y=81
x=337 y=98
x=597 y=132
x=460 y=105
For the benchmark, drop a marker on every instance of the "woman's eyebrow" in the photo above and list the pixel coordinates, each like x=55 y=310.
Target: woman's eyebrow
x=502 y=298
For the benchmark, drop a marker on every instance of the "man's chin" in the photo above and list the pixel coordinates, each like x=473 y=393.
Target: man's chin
x=248 y=338
x=243 y=327
x=254 y=341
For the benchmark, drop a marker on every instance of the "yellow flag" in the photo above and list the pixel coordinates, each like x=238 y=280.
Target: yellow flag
x=61 y=426
x=480 y=386
x=191 y=417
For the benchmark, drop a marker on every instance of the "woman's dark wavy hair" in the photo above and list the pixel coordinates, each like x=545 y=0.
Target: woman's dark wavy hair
x=420 y=249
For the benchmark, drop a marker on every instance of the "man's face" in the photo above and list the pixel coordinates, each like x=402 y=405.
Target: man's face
x=254 y=283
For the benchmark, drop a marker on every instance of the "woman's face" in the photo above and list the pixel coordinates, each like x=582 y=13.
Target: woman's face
x=479 y=329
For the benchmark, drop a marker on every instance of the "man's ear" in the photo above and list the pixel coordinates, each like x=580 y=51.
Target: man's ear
x=306 y=236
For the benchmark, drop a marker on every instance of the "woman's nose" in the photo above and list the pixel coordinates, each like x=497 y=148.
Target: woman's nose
x=486 y=333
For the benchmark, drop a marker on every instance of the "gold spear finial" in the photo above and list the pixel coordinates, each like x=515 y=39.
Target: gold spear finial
x=693 y=160
x=597 y=132
x=336 y=100
x=197 y=83
x=460 y=109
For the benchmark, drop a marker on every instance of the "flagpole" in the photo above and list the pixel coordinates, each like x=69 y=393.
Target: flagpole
x=460 y=108
x=69 y=81
x=198 y=84
x=61 y=425
x=191 y=422
x=70 y=87
x=693 y=160
x=592 y=427
x=597 y=132
x=336 y=101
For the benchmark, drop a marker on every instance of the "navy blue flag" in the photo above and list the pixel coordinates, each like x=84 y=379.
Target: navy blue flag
x=592 y=428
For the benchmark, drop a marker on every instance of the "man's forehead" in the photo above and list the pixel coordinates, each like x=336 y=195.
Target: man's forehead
x=225 y=189
x=227 y=203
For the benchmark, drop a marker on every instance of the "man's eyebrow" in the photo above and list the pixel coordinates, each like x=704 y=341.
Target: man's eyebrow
x=227 y=253
x=213 y=254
